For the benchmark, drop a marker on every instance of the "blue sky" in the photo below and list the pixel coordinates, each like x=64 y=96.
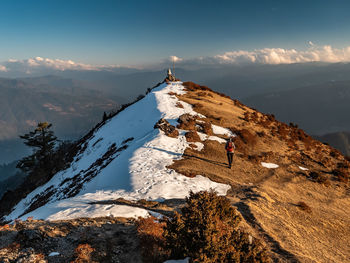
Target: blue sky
x=138 y=32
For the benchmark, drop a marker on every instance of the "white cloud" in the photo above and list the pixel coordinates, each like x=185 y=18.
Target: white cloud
x=276 y=56
x=39 y=64
x=175 y=59
x=287 y=56
x=57 y=64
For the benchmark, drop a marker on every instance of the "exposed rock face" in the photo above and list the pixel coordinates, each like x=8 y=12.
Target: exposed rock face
x=167 y=128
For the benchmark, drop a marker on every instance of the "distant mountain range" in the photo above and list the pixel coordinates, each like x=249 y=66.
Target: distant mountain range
x=70 y=105
x=339 y=140
x=62 y=102
x=10 y=177
x=313 y=95
x=319 y=109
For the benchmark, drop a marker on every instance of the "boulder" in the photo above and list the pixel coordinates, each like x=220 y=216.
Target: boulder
x=167 y=128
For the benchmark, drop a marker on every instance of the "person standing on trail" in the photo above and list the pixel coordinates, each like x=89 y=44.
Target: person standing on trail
x=230 y=149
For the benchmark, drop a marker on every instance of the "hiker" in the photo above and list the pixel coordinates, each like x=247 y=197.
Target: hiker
x=230 y=148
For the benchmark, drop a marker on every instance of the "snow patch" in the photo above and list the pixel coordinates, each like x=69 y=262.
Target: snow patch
x=270 y=165
x=303 y=168
x=205 y=137
x=199 y=146
x=222 y=131
x=216 y=138
x=86 y=210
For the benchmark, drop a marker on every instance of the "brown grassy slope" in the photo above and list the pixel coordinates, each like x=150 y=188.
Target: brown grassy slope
x=269 y=198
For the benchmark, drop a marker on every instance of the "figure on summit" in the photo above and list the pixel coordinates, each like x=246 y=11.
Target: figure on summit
x=230 y=149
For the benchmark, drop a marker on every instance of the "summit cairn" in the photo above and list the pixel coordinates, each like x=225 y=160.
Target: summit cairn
x=170 y=76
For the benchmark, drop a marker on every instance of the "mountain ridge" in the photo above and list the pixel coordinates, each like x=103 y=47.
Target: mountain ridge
x=268 y=198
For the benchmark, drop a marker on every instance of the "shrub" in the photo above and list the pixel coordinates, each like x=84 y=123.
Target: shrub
x=207 y=231
x=261 y=134
x=292 y=125
x=342 y=175
x=283 y=130
x=246 y=136
x=332 y=153
x=303 y=206
x=321 y=179
x=83 y=253
x=238 y=104
x=202 y=94
x=150 y=233
x=193 y=86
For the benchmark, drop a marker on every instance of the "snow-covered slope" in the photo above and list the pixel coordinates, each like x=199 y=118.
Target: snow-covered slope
x=125 y=158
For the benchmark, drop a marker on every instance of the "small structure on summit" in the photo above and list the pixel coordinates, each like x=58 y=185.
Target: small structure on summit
x=170 y=76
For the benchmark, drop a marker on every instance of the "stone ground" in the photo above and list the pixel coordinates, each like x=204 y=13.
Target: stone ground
x=81 y=240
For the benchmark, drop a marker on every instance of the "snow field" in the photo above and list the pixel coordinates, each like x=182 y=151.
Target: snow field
x=138 y=172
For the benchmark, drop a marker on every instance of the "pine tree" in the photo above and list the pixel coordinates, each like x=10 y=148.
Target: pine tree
x=43 y=141
x=104 y=118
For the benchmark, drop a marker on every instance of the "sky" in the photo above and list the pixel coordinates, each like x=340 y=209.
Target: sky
x=103 y=32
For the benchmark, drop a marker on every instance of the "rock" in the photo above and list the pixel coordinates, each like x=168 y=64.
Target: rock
x=30 y=234
x=185 y=118
x=168 y=129
x=192 y=136
x=186 y=122
x=28 y=255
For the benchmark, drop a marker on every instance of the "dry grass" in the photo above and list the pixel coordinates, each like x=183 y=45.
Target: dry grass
x=342 y=175
x=152 y=242
x=267 y=197
x=320 y=178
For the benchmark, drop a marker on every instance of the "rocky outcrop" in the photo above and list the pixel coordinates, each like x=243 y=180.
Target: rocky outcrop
x=167 y=128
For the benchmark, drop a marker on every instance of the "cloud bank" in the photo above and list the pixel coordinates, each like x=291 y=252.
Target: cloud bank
x=287 y=56
x=39 y=65
x=273 y=56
